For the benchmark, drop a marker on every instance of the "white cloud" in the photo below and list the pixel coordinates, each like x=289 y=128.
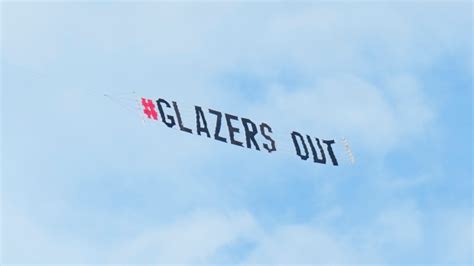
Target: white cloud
x=392 y=236
x=306 y=244
x=195 y=238
x=399 y=227
x=376 y=118
x=455 y=237
x=25 y=240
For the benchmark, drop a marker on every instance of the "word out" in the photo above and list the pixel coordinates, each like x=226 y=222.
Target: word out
x=240 y=131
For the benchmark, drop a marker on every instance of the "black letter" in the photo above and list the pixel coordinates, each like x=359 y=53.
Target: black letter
x=250 y=134
x=180 y=121
x=297 y=146
x=162 y=113
x=232 y=130
x=264 y=126
x=200 y=117
x=218 y=125
x=331 y=152
x=315 y=154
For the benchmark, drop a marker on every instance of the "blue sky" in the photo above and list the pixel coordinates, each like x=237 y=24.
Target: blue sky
x=86 y=181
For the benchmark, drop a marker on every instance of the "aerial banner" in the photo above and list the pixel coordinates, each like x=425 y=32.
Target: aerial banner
x=241 y=131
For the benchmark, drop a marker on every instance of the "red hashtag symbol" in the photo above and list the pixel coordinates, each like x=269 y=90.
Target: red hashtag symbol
x=149 y=109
